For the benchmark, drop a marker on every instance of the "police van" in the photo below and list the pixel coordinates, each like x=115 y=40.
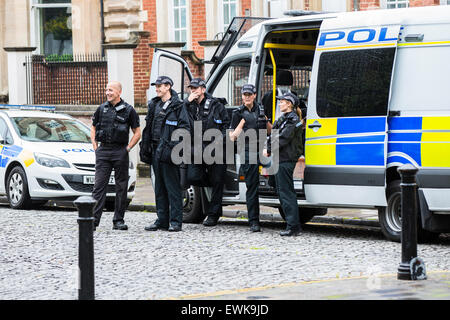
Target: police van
x=48 y=156
x=377 y=87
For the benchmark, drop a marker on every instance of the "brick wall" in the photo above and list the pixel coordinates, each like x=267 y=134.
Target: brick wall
x=141 y=65
x=367 y=4
x=246 y=5
x=198 y=22
x=422 y=3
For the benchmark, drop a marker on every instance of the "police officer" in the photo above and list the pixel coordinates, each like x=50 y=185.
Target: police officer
x=111 y=124
x=289 y=142
x=250 y=116
x=213 y=115
x=165 y=114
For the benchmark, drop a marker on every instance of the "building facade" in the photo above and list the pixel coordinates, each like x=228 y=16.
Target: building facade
x=189 y=27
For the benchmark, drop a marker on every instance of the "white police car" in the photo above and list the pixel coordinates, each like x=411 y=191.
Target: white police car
x=48 y=156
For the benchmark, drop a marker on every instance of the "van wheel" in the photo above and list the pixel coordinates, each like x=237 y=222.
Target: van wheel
x=17 y=189
x=192 y=205
x=390 y=217
x=306 y=214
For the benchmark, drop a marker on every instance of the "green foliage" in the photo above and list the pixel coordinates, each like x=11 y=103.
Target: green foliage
x=59 y=58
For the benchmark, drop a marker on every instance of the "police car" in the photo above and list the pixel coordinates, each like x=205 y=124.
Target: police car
x=48 y=156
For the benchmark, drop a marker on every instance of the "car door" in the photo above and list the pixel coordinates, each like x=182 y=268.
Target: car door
x=166 y=63
x=346 y=131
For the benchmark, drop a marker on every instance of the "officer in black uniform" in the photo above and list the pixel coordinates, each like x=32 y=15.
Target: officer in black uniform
x=213 y=115
x=288 y=140
x=111 y=124
x=250 y=116
x=166 y=113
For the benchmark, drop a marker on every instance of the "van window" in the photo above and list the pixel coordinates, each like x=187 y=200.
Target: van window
x=230 y=81
x=354 y=83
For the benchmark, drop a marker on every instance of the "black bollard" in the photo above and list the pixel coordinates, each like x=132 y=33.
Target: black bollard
x=85 y=207
x=407 y=269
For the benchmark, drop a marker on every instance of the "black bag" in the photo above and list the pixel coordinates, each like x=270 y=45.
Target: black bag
x=145 y=152
x=196 y=175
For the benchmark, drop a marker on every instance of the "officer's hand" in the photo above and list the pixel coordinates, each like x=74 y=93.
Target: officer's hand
x=265 y=153
x=193 y=96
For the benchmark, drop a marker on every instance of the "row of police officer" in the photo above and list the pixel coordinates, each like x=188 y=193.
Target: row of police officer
x=166 y=113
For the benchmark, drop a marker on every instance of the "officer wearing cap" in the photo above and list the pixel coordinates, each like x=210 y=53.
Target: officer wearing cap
x=288 y=139
x=250 y=116
x=211 y=112
x=111 y=124
x=165 y=114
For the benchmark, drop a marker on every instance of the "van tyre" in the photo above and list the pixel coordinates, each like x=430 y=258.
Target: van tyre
x=17 y=189
x=390 y=217
x=192 y=205
x=306 y=214
x=110 y=205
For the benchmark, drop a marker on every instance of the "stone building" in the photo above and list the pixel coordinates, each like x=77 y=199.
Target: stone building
x=188 y=27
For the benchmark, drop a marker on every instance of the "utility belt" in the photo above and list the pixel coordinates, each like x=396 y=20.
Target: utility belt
x=112 y=145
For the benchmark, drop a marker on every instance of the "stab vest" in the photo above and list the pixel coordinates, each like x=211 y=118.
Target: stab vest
x=113 y=126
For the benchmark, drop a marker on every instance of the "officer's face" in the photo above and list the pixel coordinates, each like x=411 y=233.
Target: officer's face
x=248 y=98
x=162 y=89
x=113 y=93
x=198 y=92
x=285 y=106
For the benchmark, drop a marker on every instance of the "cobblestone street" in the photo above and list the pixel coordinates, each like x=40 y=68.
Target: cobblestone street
x=39 y=256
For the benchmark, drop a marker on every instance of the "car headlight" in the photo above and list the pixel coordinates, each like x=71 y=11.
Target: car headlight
x=47 y=160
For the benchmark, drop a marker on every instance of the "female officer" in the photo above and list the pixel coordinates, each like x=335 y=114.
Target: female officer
x=288 y=140
x=250 y=117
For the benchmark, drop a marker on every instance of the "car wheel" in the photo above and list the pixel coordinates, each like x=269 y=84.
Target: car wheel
x=192 y=205
x=306 y=214
x=17 y=189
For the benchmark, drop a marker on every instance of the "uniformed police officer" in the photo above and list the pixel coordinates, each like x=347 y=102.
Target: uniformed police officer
x=289 y=142
x=213 y=115
x=111 y=124
x=166 y=113
x=250 y=116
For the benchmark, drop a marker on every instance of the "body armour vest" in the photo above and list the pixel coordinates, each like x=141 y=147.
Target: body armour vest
x=113 y=126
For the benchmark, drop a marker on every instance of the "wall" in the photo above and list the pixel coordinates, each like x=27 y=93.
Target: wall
x=3 y=58
x=86 y=27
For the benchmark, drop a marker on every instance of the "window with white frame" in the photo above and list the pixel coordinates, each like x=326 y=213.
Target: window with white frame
x=180 y=21
x=394 y=4
x=51 y=26
x=445 y=2
x=229 y=10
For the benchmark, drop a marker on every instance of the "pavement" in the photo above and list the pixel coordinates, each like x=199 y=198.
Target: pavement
x=372 y=286
x=144 y=200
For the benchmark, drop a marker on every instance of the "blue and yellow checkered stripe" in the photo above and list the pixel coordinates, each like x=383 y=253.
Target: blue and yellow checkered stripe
x=421 y=141
x=346 y=141
x=8 y=152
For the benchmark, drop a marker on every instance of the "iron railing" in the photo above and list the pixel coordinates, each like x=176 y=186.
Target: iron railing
x=75 y=80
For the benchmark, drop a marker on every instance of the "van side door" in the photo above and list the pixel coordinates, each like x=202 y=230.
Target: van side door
x=346 y=130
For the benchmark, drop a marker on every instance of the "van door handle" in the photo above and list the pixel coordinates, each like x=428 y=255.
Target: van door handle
x=316 y=124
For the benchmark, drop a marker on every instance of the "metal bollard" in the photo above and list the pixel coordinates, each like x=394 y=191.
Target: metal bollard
x=411 y=267
x=86 y=287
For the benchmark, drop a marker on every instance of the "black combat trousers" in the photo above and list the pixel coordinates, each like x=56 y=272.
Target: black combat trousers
x=286 y=193
x=108 y=157
x=251 y=175
x=168 y=194
x=216 y=177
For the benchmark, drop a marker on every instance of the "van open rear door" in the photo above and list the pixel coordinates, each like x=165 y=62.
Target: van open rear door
x=346 y=131
x=166 y=63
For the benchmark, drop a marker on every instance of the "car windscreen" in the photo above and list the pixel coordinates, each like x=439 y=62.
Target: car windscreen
x=51 y=130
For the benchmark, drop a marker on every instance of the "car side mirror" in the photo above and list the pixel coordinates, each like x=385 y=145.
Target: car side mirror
x=2 y=139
